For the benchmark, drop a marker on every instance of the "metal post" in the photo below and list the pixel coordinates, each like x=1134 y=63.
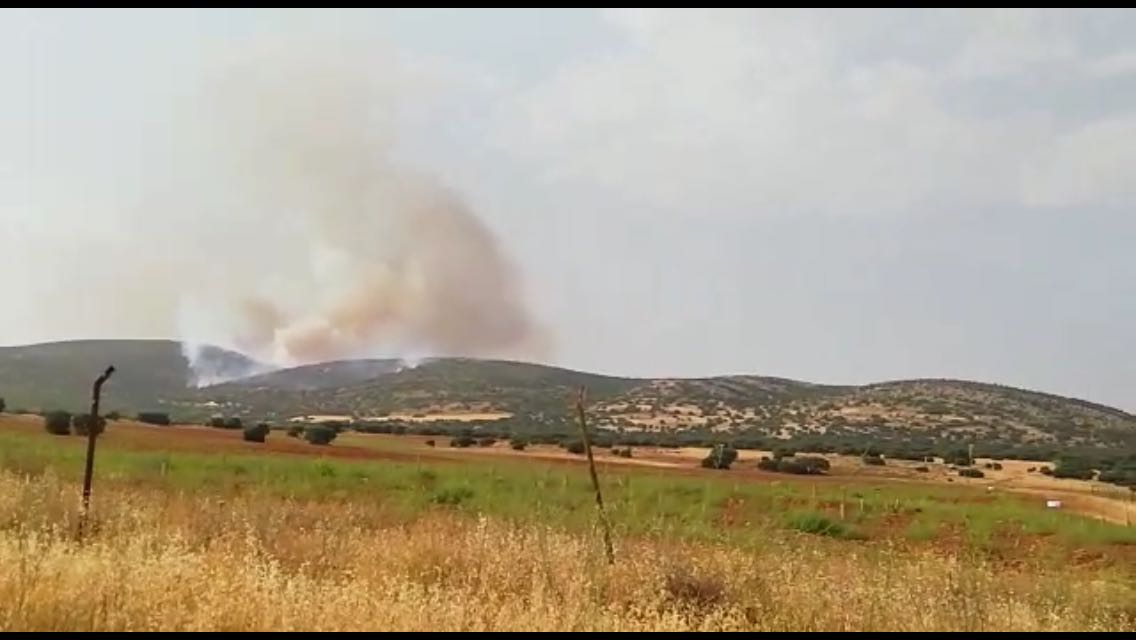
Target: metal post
x=92 y=433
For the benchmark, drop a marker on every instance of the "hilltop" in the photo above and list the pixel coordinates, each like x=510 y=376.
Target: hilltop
x=153 y=375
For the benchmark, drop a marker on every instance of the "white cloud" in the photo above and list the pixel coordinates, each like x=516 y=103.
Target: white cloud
x=739 y=111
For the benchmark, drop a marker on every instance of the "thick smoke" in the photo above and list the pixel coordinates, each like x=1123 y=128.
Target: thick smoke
x=326 y=248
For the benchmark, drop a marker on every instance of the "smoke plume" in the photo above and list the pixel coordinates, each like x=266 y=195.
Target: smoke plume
x=317 y=245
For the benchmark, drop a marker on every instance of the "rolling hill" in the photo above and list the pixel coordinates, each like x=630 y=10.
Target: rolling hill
x=153 y=375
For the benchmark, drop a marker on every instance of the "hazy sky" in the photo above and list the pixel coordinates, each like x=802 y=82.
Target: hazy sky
x=835 y=196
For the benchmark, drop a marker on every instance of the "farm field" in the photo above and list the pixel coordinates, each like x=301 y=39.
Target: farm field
x=196 y=529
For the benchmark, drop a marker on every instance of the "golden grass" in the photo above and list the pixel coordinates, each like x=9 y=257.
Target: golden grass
x=161 y=560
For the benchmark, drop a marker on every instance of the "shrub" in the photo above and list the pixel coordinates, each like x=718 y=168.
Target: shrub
x=462 y=442
x=1031 y=470
x=820 y=525
x=720 y=457
x=518 y=444
x=218 y=422
x=295 y=431
x=873 y=461
x=2 y=405
x=1070 y=467
x=798 y=465
x=694 y=590
x=576 y=447
x=57 y=422
x=997 y=466
x=1046 y=471
x=319 y=434
x=486 y=442
x=971 y=473
x=154 y=417
x=452 y=496
x=624 y=452
x=430 y=443
x=922 y=469
x=783 y=452
x=958 y=457
x=80 y=424
x=257 y=433
x=233 y=423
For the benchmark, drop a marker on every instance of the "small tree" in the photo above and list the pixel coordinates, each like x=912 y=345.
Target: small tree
x=218 y=422
x=81 y=424
x=257 y=433
x=319 y=434
x=720 y=457
x=873 y=461
x=233 y=423
x=462 y=442
x=57 y=422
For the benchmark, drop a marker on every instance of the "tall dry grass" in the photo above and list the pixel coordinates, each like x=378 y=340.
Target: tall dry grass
x=159 y=560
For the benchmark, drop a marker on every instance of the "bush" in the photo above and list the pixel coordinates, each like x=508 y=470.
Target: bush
x=922 y=469
x=2 y=405
x=958 y=457
x=235 y=423
x=430 y=443
x=873 y=461
x=624 y=452
x=971 y=473
x=518 y=444
x=576 y=447
x=257 y=433
x=154 y=417
x=720 y=457
x=452 y=497
x=798 y=465
x=319 y=434
x=462 y=442
x=1077 y=468
x=820 y=525
x=80 y=424
x=1031 y=470
x=114 y=415
x=218 y=422
x=783 y=452
x=57 y=422
x=486 y=442
x=1046 y=471
x=295 y=431
x=1123 y=475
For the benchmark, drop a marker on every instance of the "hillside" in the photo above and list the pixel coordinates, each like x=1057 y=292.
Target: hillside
x=153 y=375
x=59 y=375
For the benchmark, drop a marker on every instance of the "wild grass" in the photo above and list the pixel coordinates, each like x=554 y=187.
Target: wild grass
x=184 y=541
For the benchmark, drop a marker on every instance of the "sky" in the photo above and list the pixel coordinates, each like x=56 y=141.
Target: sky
x=835 y=196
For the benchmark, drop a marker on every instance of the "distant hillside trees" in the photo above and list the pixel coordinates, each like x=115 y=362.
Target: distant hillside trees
x=154 y=417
